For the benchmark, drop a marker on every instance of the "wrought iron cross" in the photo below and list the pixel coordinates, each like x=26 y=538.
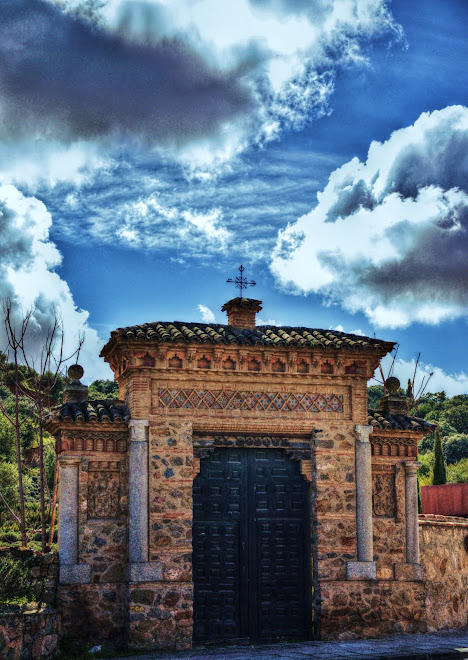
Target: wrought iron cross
x=241 y=282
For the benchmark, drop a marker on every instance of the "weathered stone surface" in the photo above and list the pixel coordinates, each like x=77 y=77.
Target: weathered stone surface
x=145 y=571
x=170 y=533
x=92 y=613
x=75 y=574
x=360 y=570
x=371 y=608
x=408 y=572
x=33 y=635
x=176 y=565
x=164 y=621
x=444 y=558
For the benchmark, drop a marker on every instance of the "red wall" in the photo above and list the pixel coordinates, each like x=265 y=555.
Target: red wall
x=445 y=500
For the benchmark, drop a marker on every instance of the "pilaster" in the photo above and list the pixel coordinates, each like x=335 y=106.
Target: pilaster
x=364 y=567
x=411 y=570
x=71 y=572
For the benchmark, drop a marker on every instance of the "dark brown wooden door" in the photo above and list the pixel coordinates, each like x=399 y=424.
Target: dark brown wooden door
x=251 y=548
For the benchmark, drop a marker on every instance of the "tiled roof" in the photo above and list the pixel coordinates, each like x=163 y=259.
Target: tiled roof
x=102 y=410
x=396 y=421
x=263 y=335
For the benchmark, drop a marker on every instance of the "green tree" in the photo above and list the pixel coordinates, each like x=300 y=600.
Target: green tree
x=457 y=416
x=374 y=394
x=440 y=470
x=103 y=389
x=455 y=447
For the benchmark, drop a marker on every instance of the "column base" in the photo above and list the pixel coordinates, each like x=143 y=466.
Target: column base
x=408 y=572
x=360 y=570
x=75 y=574
x=145 y=571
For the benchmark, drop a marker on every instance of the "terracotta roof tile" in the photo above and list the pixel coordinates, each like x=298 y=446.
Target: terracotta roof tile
x=102 y=410
x=396 y=421
x=261 y=335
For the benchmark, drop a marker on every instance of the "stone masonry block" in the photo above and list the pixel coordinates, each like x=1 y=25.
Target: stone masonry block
x=148 y=571
x=75 y=574
x=170 y=533
x=360 y=570
x=168 y=466
x=173 y=498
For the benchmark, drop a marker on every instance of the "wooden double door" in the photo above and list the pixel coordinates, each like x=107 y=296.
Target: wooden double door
x=251 y=547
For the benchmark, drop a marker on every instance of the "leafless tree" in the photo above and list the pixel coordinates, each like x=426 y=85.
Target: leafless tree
x=34 y=377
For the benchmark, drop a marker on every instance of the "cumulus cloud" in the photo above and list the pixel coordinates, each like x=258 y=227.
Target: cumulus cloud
x=389 y=237
x=200 y=80
x=62 y=77
x=206 y=314
x=28 y=260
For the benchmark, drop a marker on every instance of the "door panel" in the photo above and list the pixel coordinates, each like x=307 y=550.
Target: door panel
x=251 y=554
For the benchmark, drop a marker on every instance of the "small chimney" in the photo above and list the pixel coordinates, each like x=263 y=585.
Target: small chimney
x=393 y=402
x=75 y=391
x=241 y=312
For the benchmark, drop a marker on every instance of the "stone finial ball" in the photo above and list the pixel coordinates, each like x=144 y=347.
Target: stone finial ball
x=392 y=384
x=75 y=372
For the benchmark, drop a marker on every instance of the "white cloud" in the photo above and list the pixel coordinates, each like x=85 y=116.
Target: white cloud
x=41 y=161
x=450 y=383
x=206 y=314
x=149 y=223
x=389 y=237
x=285 y=54
x=27 y=277
x=268 y=322
x=339 y=328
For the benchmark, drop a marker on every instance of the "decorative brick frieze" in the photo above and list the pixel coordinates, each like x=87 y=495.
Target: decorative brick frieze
x=394 y=446
x=191 y=399
x=96 y=440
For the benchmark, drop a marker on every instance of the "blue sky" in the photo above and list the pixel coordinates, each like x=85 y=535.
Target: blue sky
x=145 y=155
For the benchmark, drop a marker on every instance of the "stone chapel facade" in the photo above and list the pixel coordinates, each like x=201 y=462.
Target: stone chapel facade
x=238 y=489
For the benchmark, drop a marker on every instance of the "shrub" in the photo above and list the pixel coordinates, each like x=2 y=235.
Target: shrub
x=15 y=584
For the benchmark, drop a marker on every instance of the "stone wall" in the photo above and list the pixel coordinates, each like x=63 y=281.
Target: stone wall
x=444 y=557
x=161 y=612
x=32 y=634
x=97 y=610
x=44 y=575
x=94 y=613
x=371 y=608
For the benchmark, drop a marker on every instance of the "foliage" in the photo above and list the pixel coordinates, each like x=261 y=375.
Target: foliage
x=451 y=416
x=14 y=580
x=103 y=389
x=374 y=394
x=440 y=471
x=458 y=473
x=456 y=447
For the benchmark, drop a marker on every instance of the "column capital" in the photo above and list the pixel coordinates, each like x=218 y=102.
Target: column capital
x=138 y=431
x=363 y=432
x=68 y=459
x=412 y=467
